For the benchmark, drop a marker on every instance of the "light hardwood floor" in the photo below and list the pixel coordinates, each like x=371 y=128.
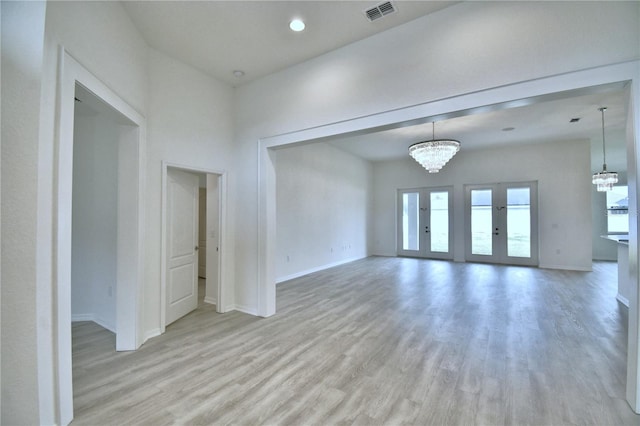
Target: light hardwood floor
x=378 y=341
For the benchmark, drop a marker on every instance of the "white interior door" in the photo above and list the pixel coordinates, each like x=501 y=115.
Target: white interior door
x=425 y=223
x=502 y=223
x=182 y=244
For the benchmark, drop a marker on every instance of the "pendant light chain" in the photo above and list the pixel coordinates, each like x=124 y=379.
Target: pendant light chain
x=604 y=180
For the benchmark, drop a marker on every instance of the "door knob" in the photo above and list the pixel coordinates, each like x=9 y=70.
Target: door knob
x=197 y=248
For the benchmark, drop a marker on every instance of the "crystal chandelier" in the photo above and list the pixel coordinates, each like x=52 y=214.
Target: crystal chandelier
x=604 y=180
x=434 y=154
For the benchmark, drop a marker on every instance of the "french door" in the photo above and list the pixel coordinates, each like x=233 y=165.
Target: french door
x=425 y=222
x=502 y=223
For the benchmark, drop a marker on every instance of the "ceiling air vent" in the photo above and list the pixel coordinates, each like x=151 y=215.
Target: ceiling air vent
x=377 y=12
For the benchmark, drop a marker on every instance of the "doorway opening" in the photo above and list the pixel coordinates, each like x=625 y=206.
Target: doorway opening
x=193 y=228
x=501 y=223
x=425 y=222
x=123 y=265
x=94 y=228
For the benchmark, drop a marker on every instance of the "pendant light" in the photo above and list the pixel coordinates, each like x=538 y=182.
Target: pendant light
x=434 y=154
x=604 y=180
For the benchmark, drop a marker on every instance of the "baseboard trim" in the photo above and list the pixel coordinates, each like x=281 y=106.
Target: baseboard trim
x=82 y=317
x=91 y=317
x=388 y=254
x=317 y=269
x=566 y=267
x=622 y=300
x=210 y=300
x=149 y=334
x=244 y=309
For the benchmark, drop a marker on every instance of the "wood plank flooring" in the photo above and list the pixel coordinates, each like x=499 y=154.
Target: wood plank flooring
x=378 y=341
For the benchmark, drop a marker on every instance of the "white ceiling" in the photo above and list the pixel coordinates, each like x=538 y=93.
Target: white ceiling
x=219 y=37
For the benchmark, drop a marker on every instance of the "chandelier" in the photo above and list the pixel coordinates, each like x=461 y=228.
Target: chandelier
x=604 y=180
x=434 y=154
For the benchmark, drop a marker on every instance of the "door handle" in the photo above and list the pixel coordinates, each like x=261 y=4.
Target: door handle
x=196 y=248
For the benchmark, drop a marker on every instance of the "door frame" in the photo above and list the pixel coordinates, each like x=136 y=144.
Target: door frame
x=502 y=257
x=426 y=253
x=130 y=234
x=221 y=278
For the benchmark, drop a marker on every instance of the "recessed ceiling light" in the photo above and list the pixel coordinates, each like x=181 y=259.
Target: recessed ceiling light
x=508 y=129
x=238 y=73
x=296 y=25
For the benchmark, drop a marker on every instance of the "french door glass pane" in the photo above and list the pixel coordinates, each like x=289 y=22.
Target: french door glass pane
x=518 y=222
x=481 y=222
x=410 y=217
x=439 y=222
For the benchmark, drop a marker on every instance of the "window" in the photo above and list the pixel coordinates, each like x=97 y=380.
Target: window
x=618 y=210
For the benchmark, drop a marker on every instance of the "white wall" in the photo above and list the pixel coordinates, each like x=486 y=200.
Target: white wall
x=462 y=49
x=22 y=47
x=323 y=208
x=94 y=228
x=564 y=209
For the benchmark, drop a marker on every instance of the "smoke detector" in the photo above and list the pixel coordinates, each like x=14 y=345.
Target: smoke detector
x=380 y=11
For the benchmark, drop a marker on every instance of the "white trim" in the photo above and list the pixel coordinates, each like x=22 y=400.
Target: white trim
x=317 y=269
x=130 y=261
x=82 y=317
x=244 y=309
x=565 y=267
x=210 y=300
x=221 y=175
x=149 y=334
